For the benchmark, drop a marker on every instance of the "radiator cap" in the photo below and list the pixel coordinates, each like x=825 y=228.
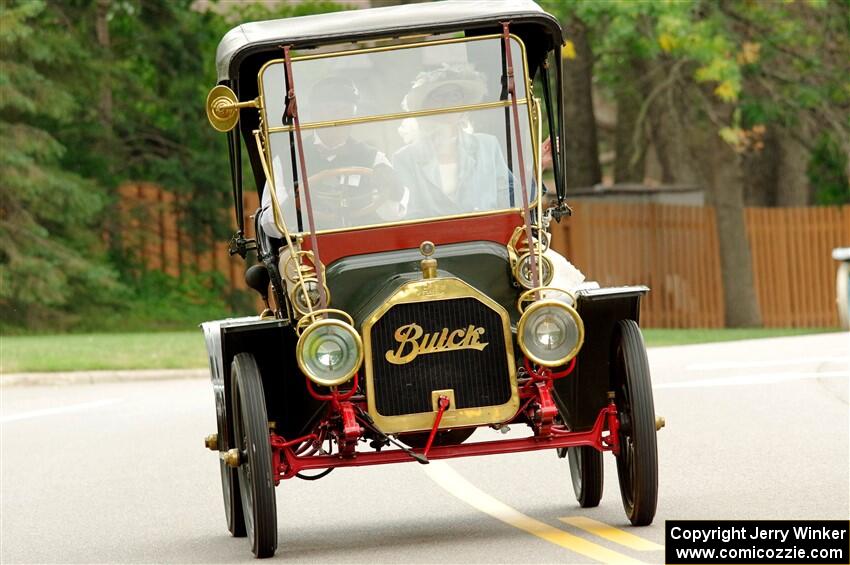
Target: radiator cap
x=428 y=264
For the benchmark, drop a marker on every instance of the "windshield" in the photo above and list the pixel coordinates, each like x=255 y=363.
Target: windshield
x=399 y=135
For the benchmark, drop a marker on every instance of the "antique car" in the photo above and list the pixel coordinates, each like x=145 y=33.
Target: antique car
x=402 y=253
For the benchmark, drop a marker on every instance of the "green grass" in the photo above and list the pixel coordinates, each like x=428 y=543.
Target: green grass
x=185 y=350
x=77 y=352
x=655 y=337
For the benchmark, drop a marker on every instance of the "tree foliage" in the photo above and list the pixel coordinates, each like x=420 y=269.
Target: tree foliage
x=94 y=93
x=718 y=82
x=49 y=250
x=774 y=64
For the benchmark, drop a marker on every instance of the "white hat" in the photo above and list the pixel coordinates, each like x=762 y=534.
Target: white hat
x=470 y=81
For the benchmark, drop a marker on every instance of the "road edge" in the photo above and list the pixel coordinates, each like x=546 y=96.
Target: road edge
x=97 y=377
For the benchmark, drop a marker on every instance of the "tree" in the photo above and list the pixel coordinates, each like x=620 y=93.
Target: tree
x=581 y=146
x=726 y=89
x=94 y=93
x=49 y=249
x=629 y=140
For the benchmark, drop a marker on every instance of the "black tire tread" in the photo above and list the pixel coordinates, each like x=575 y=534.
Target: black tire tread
x=592 y=477
x=246 y=377
x=645 y=501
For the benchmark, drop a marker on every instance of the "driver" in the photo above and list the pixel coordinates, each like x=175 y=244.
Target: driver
x=332 y=148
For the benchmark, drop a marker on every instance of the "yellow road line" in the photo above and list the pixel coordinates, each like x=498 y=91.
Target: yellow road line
x=611 y=533
x=454 y=483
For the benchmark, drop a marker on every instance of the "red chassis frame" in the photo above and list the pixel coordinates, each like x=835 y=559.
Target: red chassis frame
x=346 y=417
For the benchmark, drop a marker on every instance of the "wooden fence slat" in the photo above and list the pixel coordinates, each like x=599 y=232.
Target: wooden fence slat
x=170 y=245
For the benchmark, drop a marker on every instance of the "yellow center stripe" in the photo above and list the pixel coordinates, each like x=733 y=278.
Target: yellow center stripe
x=611 y=533
x=454 y=483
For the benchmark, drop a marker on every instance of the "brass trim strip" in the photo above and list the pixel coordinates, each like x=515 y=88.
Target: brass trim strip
x=538 y=167
x=400 y=115
x=431 y=290
x=420 y=221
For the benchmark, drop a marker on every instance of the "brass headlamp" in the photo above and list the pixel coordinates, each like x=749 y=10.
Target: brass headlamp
x=329 y=351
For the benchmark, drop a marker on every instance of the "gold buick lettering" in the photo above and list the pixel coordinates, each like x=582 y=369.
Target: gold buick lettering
x=412 y=341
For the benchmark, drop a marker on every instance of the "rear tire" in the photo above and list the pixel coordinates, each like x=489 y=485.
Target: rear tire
x=229 y=479
x=251 y=438
x=637 y=463
x=586 y=474
x=232 y=500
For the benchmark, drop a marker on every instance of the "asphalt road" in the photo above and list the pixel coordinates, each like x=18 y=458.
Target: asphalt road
x=117 y=473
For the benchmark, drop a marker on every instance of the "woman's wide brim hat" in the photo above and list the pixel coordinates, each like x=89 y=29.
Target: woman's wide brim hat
x=470 y=82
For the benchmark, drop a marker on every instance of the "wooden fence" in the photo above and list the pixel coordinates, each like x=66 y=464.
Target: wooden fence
x=672 y=249
x=154 y=232
x=792 y=264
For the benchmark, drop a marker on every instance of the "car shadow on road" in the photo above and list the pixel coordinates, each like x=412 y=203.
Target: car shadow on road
x=472 y=539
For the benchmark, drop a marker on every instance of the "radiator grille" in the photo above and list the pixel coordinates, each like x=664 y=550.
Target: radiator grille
x=479 y=378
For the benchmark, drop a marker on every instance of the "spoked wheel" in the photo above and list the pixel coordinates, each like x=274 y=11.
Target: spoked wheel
x=251 y=436
x=586 y=472
x=637 y=464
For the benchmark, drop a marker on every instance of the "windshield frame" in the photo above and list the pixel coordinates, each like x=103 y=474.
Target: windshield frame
x=530 y=103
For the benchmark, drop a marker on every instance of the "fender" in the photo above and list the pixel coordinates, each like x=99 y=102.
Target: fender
x=273 y=344
x=581 y=395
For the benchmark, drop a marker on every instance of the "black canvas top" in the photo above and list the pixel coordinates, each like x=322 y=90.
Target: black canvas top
x=428 y=17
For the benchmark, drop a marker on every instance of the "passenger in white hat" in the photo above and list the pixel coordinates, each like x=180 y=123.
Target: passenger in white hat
x=449 y=168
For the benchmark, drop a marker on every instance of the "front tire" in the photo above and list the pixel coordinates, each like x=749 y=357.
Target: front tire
x=251 y=438
x=586 y=474
x=637 y=463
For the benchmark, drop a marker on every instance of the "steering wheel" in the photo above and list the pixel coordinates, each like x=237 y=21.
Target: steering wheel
x=333 y=202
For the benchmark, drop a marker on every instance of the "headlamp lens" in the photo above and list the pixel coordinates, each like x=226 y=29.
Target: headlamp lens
x=550 y=333
x=329 y=352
